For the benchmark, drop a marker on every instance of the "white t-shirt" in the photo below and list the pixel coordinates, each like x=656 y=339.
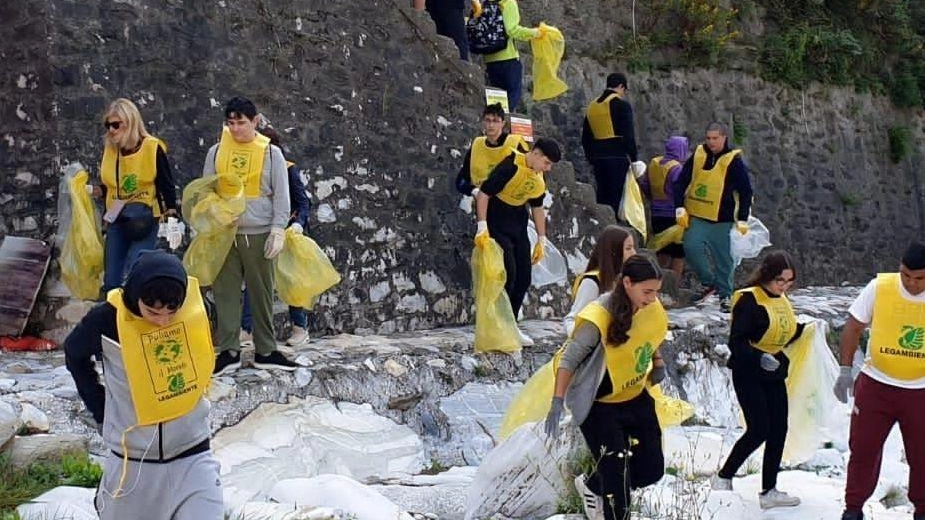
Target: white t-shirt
x=863 y=310
x=588 y=291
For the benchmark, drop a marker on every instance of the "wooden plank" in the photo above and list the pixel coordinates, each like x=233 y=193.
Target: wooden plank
x=23 y=264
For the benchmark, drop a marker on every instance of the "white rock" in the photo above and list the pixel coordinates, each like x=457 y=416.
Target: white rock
x=431 y=283
x=34 y=419
x=283 y=512
x=72 y=503
x=10 y=421
x=326 y=214
x=337 y=491
x=394 y=368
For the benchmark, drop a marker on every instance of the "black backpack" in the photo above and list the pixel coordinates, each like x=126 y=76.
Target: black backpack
x=486 y=32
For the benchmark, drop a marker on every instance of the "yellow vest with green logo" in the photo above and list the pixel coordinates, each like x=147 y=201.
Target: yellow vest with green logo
x=137 y=172
x=658 y=176
x=629 y=363
x=595 y=273
x=484 y=158
x=782 y=322
x=168 y=369
x=897 y=332
x=242 y=159
x=705 y=192
x=526 y=183
x=600 y=120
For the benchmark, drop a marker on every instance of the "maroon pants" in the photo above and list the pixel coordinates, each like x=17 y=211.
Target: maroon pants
x=878 y=407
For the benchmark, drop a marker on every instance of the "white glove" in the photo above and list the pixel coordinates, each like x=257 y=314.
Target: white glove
x=174 y=232
x=481 y=226
x=638 y=168
x=295 y=226
x=274 y=243
x=475 y=192
x=465 y=204
x=73 y=169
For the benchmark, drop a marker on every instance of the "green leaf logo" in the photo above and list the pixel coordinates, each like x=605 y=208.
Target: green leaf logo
x=130 y=183
x=643 y=357
x=167 y=352
x=176 y=382
x=913 y=338
x=701 y=190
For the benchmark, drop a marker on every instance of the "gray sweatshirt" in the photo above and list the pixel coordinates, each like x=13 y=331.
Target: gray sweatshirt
x=267 y=210
x=584 y=357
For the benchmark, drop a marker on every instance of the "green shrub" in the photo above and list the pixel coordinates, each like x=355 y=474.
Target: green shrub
x=21 y=485
x=900 y=143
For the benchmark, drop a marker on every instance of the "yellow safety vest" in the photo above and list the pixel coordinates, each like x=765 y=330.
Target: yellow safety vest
x=168 y=369
x=658 y=176
x=526 y=183
x=242 y=159
x=628 y=364
x=782 y=322
x=705 y=192
x=897 y=332
x=600 y=120
x=484 y=158
x=137 y=172
x=595 y=273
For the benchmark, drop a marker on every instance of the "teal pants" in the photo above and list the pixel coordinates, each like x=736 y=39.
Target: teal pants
x=705 y=239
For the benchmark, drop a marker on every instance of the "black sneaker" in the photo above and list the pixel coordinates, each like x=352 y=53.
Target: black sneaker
x=226 y=361
x=705 y=293
x=724 y=304
x=273 y=360
x=852 y=515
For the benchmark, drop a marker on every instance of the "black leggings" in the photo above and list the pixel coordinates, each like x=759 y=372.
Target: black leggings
x=764 y=405
x=607 y=430
x=512 y=237
x=451 y=23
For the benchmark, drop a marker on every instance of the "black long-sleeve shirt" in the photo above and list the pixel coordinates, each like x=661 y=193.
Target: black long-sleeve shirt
x=621 y=116
x=737 y=181
x=750 y=321
x=81 y=345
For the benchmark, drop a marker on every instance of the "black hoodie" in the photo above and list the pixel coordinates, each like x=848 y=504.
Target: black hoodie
x=85 y=341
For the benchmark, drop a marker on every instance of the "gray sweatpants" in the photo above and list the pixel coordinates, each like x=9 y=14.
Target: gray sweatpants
x=184 y=489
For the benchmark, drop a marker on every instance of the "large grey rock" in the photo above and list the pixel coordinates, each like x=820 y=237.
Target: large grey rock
x=34 y=420
x=10 y=421
x=339 y=492
x=24 y=450
x=64 y=502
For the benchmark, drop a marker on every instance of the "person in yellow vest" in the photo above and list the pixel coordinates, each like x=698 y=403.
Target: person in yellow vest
x=259 y=237
x=613 y=247
x=609 y=140
x=602 y=373
x=512 y=185
x=487 y=151
x=153 y=338
x=763 y=323
x=890 y=388
x=137 y=187
x=713 y=194
x=658 y=185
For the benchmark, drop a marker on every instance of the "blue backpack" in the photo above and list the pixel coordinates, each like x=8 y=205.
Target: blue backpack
x=486 y=32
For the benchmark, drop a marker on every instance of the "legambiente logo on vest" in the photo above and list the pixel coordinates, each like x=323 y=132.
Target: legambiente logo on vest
x=912 y=338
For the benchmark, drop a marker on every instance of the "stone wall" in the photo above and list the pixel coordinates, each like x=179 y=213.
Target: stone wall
x=378 y=112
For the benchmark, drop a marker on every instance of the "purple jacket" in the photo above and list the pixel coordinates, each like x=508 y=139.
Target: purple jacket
x=676 y=148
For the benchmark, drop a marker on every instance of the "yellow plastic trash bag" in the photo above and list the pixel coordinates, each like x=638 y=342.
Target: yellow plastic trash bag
x=547 y=55
x=495 y=324
x=632 y=209
x=303 y=271
x=812 y=404
x=211 y=206
x=671 y=411
x=81 y=258
x=672 y=235
x=532 y=403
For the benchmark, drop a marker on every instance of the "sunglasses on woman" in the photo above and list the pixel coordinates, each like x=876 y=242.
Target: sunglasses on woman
x=114 y=125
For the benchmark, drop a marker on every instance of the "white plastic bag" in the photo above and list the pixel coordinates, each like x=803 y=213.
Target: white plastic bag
x=552 y=268
x=748 y=246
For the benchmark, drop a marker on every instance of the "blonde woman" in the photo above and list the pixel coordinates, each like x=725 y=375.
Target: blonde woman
x=137 y=186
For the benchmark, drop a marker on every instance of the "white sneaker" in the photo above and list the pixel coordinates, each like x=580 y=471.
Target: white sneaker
x=245 y=339
x=299 y=335
x=719 y=483
x=593 y=504
x=775 y=498
x=525 y=340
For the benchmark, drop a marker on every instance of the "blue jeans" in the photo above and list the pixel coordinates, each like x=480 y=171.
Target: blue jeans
x=710 y=239
x=120 y=253
x=509 y=75
x=298 y=315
